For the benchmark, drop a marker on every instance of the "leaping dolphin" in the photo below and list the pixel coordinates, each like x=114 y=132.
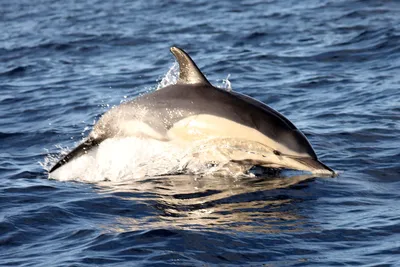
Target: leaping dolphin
x=193 y=109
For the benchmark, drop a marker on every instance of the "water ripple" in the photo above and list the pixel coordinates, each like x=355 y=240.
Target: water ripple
x=331 y=67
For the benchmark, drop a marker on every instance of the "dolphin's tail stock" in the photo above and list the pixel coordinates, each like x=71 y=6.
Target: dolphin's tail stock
x=81 y=149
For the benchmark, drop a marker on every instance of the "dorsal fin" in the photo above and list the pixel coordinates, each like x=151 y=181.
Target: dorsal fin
x=189 y=73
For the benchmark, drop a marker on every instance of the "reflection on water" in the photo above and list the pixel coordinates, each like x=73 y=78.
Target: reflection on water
x=214 y=203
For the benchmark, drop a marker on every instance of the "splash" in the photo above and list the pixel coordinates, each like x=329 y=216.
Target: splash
x=129 y=158
x=118 y=160
x=225 y=84
x=171 y=77
x=52 y=158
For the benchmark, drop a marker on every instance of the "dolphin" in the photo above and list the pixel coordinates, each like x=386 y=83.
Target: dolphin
x=193 y=109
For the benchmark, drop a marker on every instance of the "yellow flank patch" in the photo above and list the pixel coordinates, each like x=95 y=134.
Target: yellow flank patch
x=205 y=126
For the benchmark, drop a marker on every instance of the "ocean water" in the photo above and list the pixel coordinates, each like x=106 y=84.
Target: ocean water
x=331 y=67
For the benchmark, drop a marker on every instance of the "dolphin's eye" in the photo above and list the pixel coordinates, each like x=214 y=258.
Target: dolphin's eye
x=276 y=152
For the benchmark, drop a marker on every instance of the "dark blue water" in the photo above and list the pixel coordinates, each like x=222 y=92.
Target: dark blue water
x=331 y=67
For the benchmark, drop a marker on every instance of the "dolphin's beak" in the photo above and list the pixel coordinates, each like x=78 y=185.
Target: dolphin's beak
x=291 y=162
x=314 y=166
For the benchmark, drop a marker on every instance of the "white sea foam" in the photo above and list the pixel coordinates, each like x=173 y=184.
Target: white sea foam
x=132 y=158
x=121 y=159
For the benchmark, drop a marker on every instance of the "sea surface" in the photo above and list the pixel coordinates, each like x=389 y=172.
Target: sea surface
x=331 y=66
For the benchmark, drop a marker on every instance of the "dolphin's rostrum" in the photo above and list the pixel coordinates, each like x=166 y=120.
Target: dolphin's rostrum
x=193 y=110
